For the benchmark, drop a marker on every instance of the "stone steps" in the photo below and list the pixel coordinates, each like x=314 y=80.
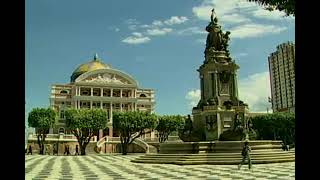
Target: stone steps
x=261 y=153
x=217 y=158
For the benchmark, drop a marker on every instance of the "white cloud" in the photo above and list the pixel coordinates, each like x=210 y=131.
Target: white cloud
x=193 y=97
x=254 y=30
x=234 y=18
x=145 y=26
x=132 y=27
x=137 y=34
x=131 y=21
x=271 y=15
x=234 y=11
x=157 y=23
x=158 y=32
x=255 y=90
x=192 y=30
x=176 y=20
x=137 y=38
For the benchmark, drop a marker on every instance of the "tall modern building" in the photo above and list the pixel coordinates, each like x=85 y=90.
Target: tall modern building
x=282 y=77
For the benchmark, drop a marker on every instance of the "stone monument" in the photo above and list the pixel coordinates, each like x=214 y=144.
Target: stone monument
x=219 y=105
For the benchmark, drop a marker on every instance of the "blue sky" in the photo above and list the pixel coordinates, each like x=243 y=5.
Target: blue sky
x=159 y=43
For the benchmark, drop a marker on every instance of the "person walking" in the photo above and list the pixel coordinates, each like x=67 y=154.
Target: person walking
x=246 y=155
x=55 y=151
x=48 y=149
x=77 y=150
x=30 y=150
x=68 y=150
x=65 y=149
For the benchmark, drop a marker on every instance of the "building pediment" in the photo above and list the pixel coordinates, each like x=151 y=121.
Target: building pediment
x=105 y=76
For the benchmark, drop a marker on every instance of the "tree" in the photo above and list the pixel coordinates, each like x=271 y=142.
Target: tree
x=275 y=126
x=288 y=6
x=83 y=123
x=168 y=124
x=131 y=125
x=41 y=119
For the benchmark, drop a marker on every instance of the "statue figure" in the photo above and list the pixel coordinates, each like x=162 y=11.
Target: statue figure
x=214 y=18
x=214 y=38
x=225 y=42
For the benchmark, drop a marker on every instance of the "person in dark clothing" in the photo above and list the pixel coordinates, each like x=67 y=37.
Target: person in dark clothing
x=65 y=149
x=68 y=150
x=77 y=150
x=246 y=155
x=55 y=151
x=30 y=150
x=285 y=147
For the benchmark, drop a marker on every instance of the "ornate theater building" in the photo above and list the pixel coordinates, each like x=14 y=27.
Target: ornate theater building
x=97 y=85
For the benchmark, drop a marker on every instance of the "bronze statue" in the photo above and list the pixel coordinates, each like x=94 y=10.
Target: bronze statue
x=214 y=18
x=216 y=39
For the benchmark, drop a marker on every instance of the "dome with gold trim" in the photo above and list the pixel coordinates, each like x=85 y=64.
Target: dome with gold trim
x=95 y=64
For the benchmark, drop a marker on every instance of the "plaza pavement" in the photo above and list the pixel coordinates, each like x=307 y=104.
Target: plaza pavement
x=117 y=166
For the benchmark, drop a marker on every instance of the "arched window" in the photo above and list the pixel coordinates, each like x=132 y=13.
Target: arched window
x=63 y=92
x=143 y=95
x=61 y=130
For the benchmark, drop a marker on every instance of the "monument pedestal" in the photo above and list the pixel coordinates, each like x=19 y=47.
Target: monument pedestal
x=219 y=104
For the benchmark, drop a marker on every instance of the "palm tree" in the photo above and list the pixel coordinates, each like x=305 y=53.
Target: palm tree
x=288 y=6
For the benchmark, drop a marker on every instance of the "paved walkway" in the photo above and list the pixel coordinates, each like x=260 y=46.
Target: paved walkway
x=120 y=167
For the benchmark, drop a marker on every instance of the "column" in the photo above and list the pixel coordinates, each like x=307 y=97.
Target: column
x=91 y=91
x=79 y=91
x=135 y=93
x=101 y=92
x=101 y=107
x=202 y=87
x=110 y=131
x=120 y=93
x=216 y=83
x=76 y=104
x=121 y=107
x=111 y=121
x=135 y=106
x=111 y=92
x=100 y=133
x=76 y=91
x=90 y=104
x=235 y=85
x=132 y=93
x=79 y=104
x=219 y=120
x=111 y=112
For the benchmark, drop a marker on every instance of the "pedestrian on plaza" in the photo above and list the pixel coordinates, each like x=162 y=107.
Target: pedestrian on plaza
x=48 y=149
x=68 y=150
x=65 y=149
x=54 y=149
x=246 y=155
x=77 y=150
x=30 y=150
x=285 y=147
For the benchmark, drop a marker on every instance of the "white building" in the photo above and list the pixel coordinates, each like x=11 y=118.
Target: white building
x=98 y=85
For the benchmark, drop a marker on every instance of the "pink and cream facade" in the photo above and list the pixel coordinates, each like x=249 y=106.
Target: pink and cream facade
x=97 y=85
